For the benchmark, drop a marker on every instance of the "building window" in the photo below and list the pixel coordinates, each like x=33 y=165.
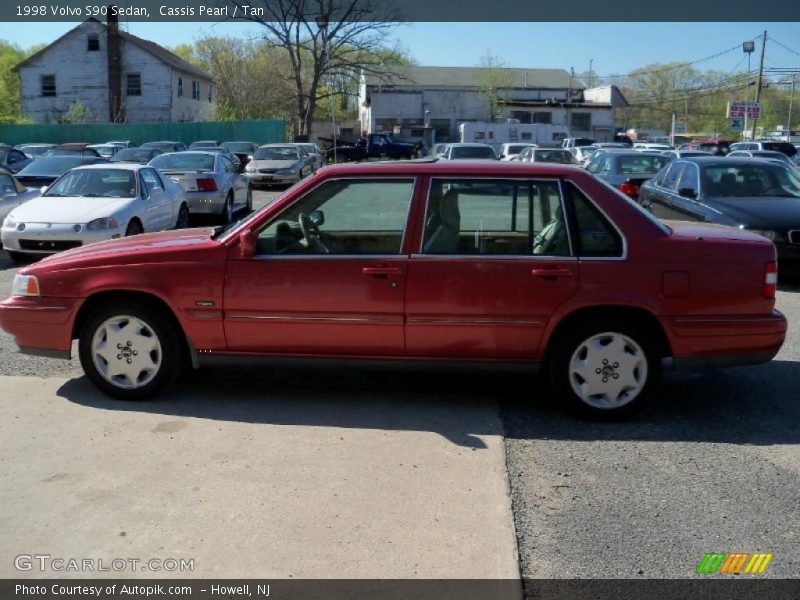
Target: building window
x=195 y=90
x=180 y=87
x=48 y=85
x=581 y=121
x=93 y=42
x=442 y=129
x=210 y=88
x=134 y=84
x=523 y=116
x=543 y=117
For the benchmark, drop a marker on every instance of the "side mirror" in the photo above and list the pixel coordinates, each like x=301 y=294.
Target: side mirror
x=317 y=217
x=247 y=243
x=688 y=193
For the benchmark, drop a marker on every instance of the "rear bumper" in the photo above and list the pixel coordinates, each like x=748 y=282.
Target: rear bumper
x=40 y=326
x=730 y=340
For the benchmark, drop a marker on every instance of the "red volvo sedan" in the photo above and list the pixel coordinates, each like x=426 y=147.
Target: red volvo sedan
x=465 y=261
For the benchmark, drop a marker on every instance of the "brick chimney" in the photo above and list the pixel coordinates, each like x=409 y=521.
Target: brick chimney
x=116 y=114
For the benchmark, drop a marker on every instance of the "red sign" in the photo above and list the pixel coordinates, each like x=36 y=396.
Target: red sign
x=737 y=110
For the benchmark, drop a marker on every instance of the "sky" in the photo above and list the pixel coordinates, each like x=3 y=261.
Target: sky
x=614 y=48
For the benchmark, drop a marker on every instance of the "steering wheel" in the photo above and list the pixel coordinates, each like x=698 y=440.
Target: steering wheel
x=311 y=237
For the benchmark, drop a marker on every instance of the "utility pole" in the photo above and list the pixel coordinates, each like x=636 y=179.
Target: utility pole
x=789 y=117
x=591 y=73
x=760 y=82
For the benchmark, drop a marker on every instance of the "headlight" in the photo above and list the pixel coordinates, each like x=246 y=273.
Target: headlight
x=770 y=235
x=289 y=171
x=25 y=285
x=100 y=224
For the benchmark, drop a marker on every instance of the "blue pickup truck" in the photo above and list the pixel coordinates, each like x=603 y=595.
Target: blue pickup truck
x=375 y=145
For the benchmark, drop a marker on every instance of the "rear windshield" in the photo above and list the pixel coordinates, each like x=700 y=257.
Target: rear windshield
x=34 y=150
x=472 y=152
x=554 y=156
x=516 y=149
x=645 y=164
x=240 y=147
x=184 y=161
x=54 y=165
x=141 y=155
x=276 y=153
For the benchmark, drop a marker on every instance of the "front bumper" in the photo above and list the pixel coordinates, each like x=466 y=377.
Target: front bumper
x=272 y=178
x=41 y=239
x=725 y=340
x=40 y=326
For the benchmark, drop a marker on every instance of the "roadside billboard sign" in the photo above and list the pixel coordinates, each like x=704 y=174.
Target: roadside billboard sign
x=738 y=110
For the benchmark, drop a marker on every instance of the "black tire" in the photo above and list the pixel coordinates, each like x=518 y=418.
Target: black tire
x=19 y=257
x=227 y=210
x=134 y=228
x=639 y=350
x=171 y=354
x=183 y=217
x=249 y=208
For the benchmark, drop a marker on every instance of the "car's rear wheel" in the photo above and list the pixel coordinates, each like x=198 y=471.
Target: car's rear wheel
x=183 y=217
x=605 y=369
x=129 y=351
x=249 y=199
x=227 y=210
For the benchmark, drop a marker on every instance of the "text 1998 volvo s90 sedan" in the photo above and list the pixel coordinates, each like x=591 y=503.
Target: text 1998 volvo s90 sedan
x=459 y=260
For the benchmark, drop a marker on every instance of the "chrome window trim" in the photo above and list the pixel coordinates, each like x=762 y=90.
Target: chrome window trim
x=550 y=257
x=789 y=236
x=414 y=182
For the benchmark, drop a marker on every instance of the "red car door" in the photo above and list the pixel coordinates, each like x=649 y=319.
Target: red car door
x=493 y=265
x=328 y=276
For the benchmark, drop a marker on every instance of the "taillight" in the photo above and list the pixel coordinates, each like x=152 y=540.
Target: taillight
x=770 y=280
x=206 y=185
x=629 y=189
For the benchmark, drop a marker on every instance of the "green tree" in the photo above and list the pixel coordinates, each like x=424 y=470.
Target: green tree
x=77 y=113
x=494 y=82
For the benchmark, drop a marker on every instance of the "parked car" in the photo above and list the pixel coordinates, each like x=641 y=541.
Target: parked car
x=122 y=143
x=626 y=170
x=468 y=151
x=93 y=203
x=675 y=154
x=358 y=262
x=34 y=151
x=438 y=149
x=511 y=151
x=242 y=150
x=652 y=147
x=12 y=159
x=773 y=155
x=213 y=185
x=46 y=170
x=140 y=156
x=166 y=146
x=714 y=146
x=105 y=150
x=12 y=193
x=569 y=143
x=582 y=154
x=203 y=145
x=315 y=154
x=551 y=155
x=743 y=193
x=761 y=145
x=279 y=164
x=72 y=149
x=374 y=145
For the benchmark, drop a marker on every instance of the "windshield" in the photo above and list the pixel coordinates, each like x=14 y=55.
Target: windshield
x=240 y=147
x=184 y=161
x=516 y=149
x=163 y=146
x=553 y=156
x=644 y=164
x=105 y=183
x=472 y=152
x=53 y=165
x=198 y=145
x=34 y=150
x=276 y=153
x=751 y=180
x=139 y=155
x=66 y=152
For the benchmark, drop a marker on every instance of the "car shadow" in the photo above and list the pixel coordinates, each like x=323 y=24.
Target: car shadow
x=747 y=405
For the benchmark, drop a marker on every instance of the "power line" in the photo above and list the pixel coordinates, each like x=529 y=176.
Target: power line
x=784 y=46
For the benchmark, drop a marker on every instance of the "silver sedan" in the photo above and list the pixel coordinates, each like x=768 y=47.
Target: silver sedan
x=213 y=184
x=280 y=164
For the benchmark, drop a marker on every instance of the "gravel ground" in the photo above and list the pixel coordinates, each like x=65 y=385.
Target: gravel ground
x=713 y=465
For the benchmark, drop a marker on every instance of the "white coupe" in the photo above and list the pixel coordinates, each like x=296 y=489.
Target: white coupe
x=94 y=203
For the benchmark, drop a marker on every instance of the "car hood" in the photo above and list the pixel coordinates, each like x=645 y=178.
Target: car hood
x=760 y=213
x=160 y=243
x=49 y=209
x=272 y=164
x=688 y=229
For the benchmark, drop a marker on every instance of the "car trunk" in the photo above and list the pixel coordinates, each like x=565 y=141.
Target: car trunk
x=193 y=181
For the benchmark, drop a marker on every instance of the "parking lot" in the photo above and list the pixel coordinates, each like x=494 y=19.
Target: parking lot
x=333 y=471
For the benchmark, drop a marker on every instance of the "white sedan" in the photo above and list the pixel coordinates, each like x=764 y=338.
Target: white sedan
x=94 y=203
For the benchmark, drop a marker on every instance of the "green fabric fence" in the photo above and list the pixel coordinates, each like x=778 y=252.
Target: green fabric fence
x=261 y=132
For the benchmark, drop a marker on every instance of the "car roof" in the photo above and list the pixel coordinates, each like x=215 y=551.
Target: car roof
x=470 y=144
x=434 y=166
x=183 y=152
x=115 y=166
x=724 y=161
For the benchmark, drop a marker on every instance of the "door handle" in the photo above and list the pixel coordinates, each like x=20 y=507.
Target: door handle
x=381 y=271
x=551 y=273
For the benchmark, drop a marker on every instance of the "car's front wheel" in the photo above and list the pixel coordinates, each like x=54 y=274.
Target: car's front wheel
x=130 y=350
x=606 y=369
